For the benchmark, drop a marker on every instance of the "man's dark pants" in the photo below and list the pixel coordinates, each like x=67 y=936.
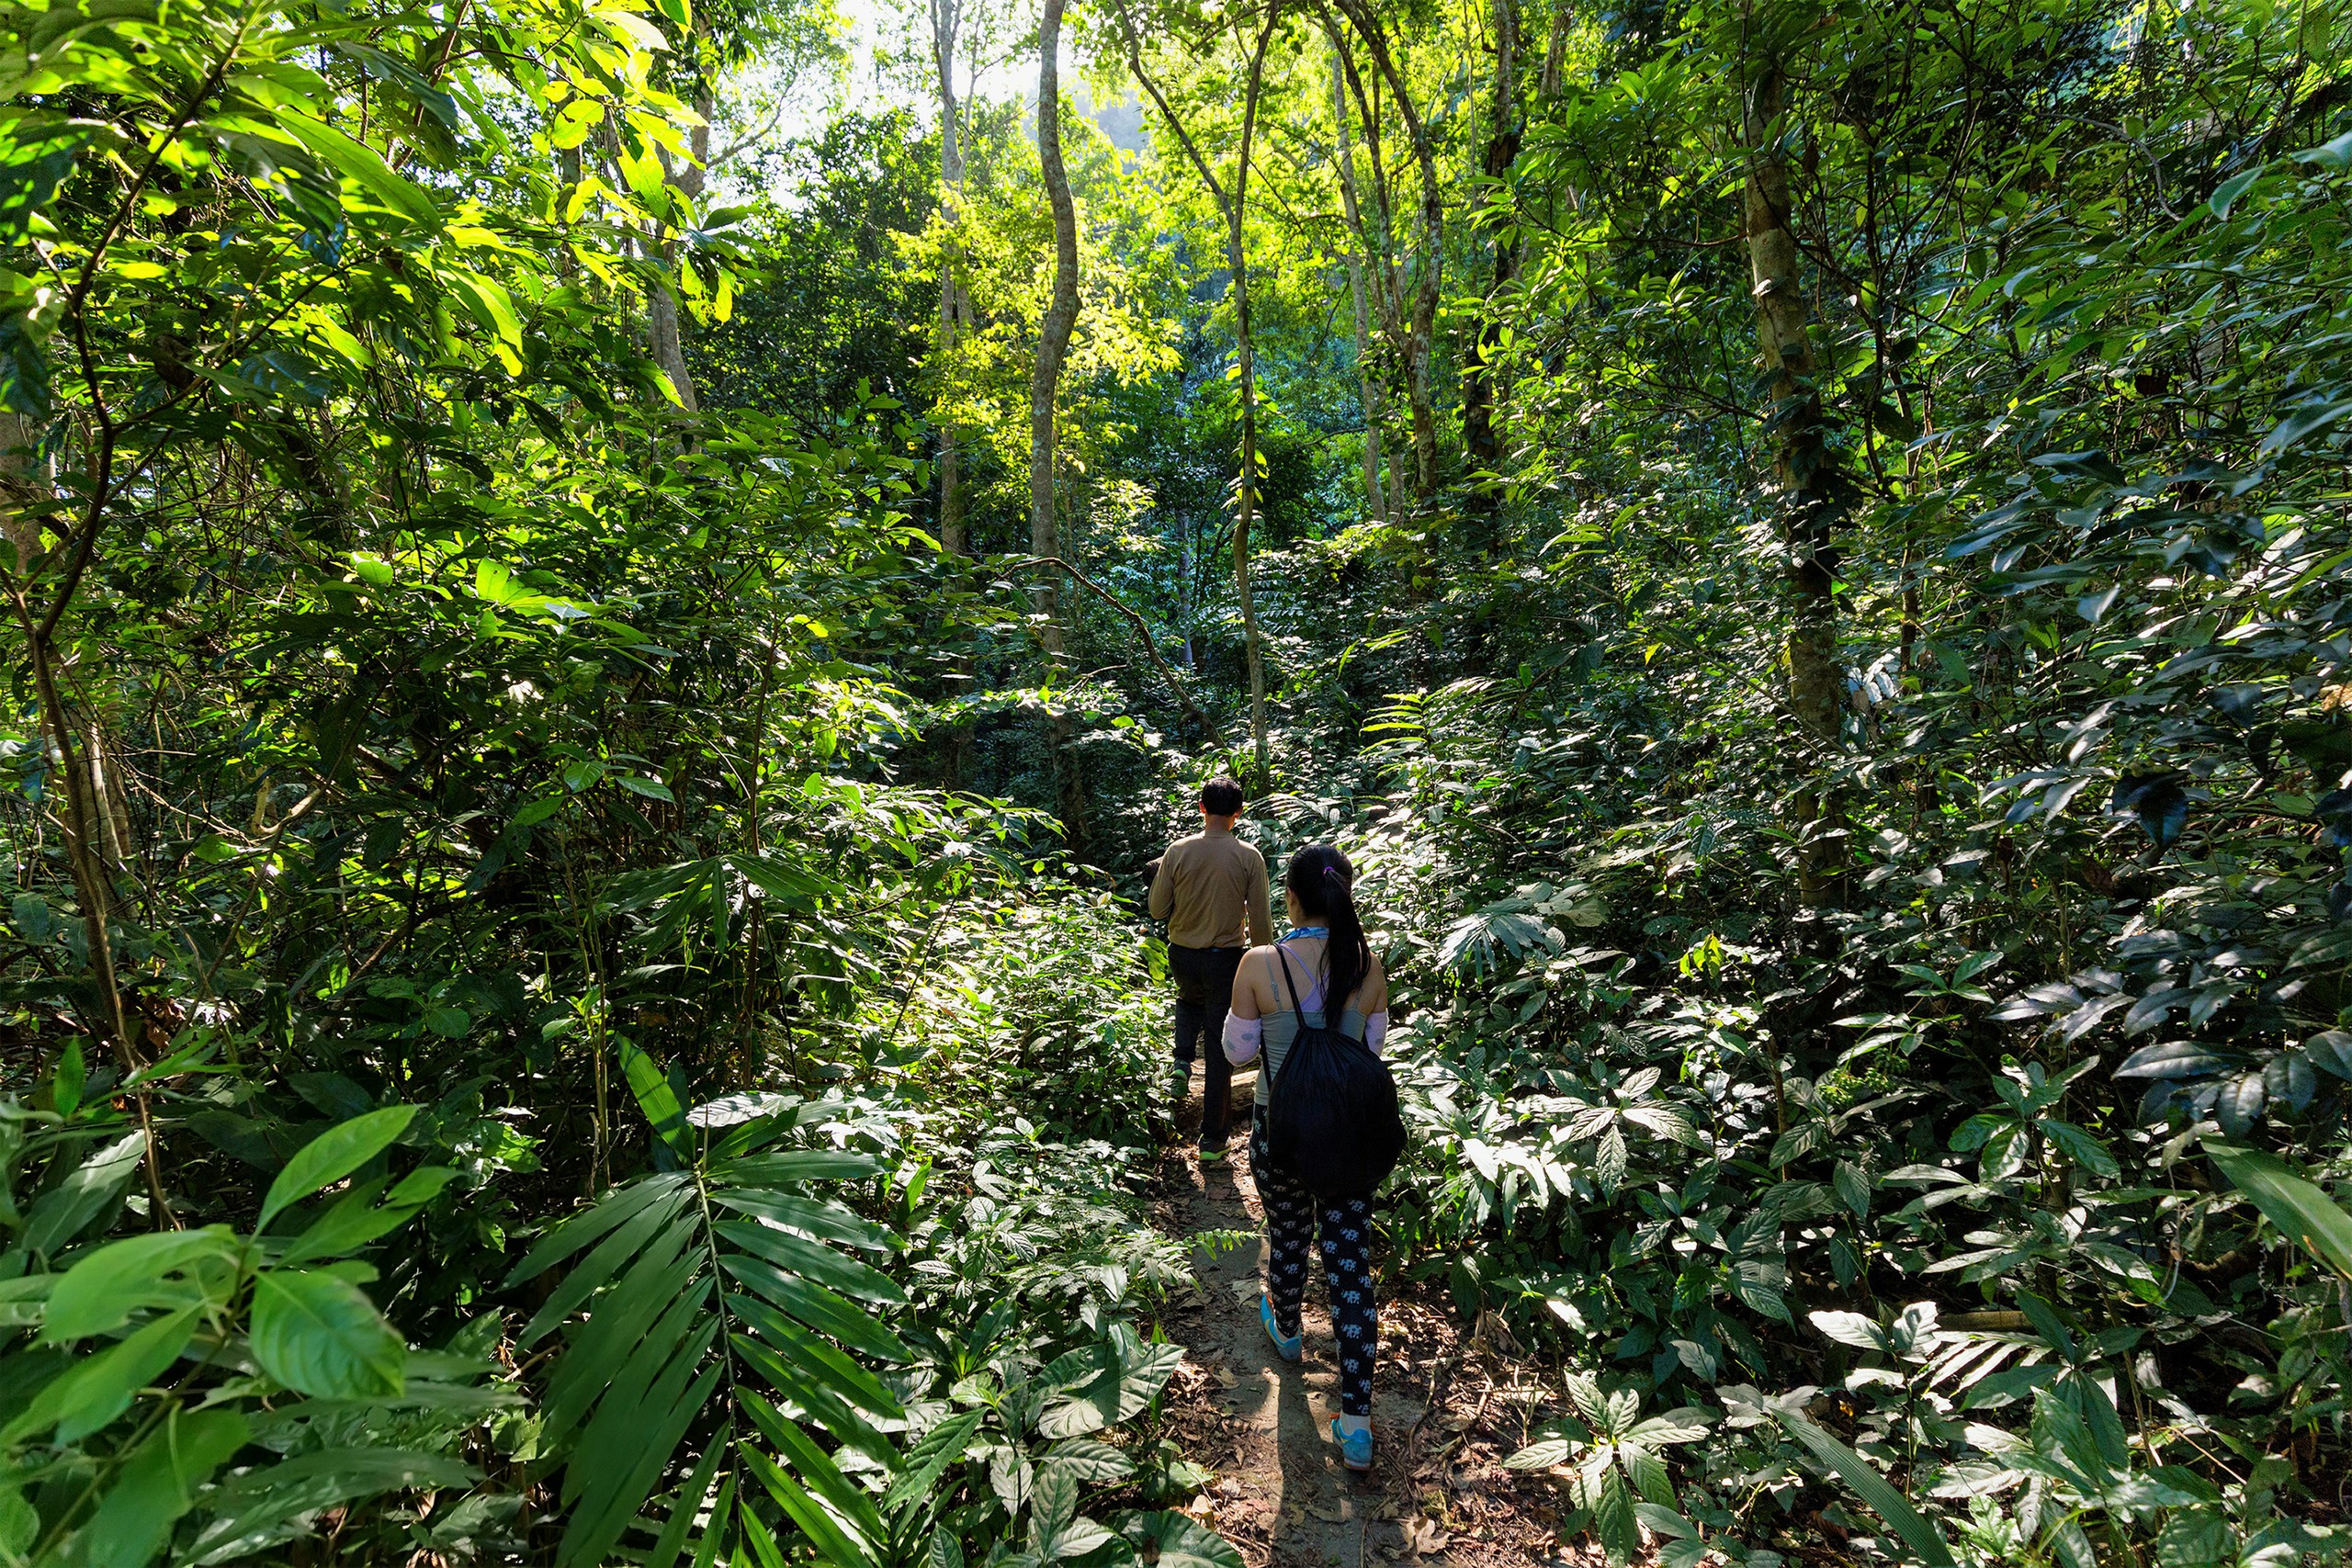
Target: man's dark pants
x=1203 y=996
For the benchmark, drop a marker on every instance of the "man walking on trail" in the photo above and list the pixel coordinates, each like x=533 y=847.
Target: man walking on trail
x=1211 y=890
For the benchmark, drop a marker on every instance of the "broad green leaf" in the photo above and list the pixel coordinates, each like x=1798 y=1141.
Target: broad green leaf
x=66 y=1208
x=1181 y=1542
x=2301 y=1210
x=656 y=1097
x=925 y=1462
x=1104 y=1384
x=1918 y=1533
x=363 y=167
x=106 y=1290
x=1088 y=1459
x=1544 y=1453
x=334 y=1155
x=99 y=1387
x=1687 y=1425
x=321 y=1336
x=357 y=1219
x=1851 y=1328
x=154 y=1487
x=2226 y=193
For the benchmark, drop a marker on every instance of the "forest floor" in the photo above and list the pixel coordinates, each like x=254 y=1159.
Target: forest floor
x=1447 y=1409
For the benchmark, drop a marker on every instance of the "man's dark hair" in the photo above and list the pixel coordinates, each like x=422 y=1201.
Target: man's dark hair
x=1221 y=796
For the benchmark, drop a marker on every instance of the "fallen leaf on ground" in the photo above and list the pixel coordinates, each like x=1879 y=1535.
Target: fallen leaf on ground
x=1423 y=1537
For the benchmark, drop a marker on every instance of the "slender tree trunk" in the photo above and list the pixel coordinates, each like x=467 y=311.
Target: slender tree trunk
x=1812 y=490
x=1421 y=329
x=666 y=342
x=1482 y=449
x=24 y=484
x=663 y=333
x=1547 y=87
x=945 y=19
x=1384 y=271
x=567 y=170
x=1246 y=496
x=1374 y=502
x=955 y=313
x=1555 y=51
x=1234 y=207
x=1053 y=344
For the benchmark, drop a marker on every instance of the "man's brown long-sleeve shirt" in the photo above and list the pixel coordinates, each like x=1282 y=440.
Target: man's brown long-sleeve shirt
x=1211 y=892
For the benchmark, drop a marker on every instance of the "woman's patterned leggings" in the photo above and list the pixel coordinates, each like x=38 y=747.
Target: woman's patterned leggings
x=1293 y=1218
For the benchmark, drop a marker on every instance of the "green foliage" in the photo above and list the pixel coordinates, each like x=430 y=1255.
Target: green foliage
x=482 y=647
x=204 y=1387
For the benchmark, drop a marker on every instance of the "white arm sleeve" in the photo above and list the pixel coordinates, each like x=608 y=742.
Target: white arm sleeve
x=1375 y=1030
x=1242 y=1038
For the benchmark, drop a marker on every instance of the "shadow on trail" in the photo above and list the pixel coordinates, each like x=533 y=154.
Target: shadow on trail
x=1283 y=1465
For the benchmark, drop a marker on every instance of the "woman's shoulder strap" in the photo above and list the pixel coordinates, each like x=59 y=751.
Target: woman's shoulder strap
x=1283 y=959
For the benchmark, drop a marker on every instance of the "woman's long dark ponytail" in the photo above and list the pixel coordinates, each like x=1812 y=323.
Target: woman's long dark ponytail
x=1323 y=882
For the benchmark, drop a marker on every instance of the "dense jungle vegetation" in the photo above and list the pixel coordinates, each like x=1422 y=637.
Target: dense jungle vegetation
x=590 y=680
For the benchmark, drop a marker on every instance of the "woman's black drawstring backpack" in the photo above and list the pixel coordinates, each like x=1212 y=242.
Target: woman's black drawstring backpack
x=1332 y=1120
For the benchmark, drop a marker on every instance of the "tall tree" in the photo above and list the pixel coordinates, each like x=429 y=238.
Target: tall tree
x=1482 y=451
x=1812 y=491
x=1053 y=348
x=1233 y=207
x=1374 y=502
x=1418 y=328
x=955 y=304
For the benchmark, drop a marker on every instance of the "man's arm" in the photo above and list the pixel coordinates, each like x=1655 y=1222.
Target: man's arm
x=1261 y=912
x=1162 y=902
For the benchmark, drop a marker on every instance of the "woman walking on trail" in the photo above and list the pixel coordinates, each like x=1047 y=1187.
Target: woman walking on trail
x=1324 y=958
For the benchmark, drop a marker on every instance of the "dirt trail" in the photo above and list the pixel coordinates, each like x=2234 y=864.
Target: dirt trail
x=1262 y=1425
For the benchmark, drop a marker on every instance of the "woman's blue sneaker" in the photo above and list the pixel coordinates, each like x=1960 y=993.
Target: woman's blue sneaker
x=1355 y=1448
x=1289 y=1349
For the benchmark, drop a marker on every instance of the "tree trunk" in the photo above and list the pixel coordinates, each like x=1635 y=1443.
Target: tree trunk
x=1482 y=449
x=1420 y=327
x=25 y=483
x=1812 y=491
x=1053 y=344
x=1246 y=495
x=1375 y=502
x=946 y=17
x=664 y=337
x=1555 y=51
x=1234 y=207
